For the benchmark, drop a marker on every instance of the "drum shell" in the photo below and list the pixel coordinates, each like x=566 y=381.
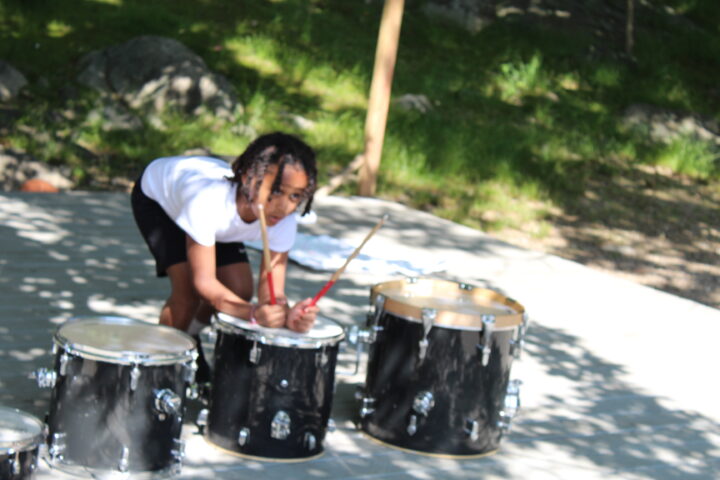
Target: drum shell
x=27 y=459
x=97 y=413
x=247 y=395
x=452 y=371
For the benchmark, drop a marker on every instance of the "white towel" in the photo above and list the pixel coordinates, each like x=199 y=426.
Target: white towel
x=325 y=253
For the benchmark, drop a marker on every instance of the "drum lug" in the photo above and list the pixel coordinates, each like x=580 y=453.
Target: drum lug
x=519 y=343
x=280 y=426
x=412 y=425
x=367 y=406
x=488 y=322
x=178 y=454
x=167 y=402
x=243 y=436
x=465 y=286
x=15 y=462
x=57 y=445
x=45 y=378
x=511 y=405
x=134 y=378
x=192 y=391
x=472 y=428
x=374 y=317
x=310 y=441
x=202 y=418
x=124 y=464
x=423 y=403
x=190 y=369
x=64 y=359
x=321 y=358
x=428 y=318
x=255 y=353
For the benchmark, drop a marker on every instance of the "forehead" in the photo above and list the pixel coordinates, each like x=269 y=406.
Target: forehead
x=294 y=176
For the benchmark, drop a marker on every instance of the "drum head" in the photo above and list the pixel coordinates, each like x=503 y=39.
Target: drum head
x=121 y=340
x=455 y=305
x=18 y=430
x=324 y=332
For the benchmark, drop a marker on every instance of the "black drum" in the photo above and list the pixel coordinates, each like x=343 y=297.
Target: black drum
x=21 y=435
x=272 y=389
x=118 y=397
x=439 y=366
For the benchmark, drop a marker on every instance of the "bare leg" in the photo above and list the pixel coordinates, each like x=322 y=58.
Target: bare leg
x=182 y=305
x=238 y=278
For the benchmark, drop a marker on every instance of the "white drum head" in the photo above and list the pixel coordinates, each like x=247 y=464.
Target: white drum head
x=18 y=430
x=324 y=332
x=124 y=340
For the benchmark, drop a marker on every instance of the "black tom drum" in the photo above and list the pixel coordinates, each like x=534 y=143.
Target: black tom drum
x=439 y=366
x=272 y=389
x=118 y=399
x=21 y=435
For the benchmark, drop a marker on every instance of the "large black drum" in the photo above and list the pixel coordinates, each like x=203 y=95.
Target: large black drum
x=272 y=389
x=21 y=435
x=439 y=366
x=118 y=399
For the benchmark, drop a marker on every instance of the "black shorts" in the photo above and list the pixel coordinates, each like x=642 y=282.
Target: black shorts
x=166 y=240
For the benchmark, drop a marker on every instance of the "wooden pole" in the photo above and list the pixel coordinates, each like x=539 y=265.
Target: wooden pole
x=379 y=102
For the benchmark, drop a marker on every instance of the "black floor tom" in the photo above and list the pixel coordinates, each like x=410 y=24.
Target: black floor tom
x=21 y=435
x=272 y=389
x=118 y=399
x=439 y=366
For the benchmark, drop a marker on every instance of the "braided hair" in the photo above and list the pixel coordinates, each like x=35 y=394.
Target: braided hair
x=278 y=149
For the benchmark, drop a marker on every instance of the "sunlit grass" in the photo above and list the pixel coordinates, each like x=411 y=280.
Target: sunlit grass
x=520 y=114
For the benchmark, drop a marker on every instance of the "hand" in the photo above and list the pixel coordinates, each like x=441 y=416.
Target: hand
x=272 y=316
x=302 y=316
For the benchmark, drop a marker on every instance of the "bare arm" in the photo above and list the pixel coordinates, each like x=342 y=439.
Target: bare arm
x=201 y=259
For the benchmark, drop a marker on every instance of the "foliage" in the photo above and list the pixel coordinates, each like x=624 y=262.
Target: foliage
x=522 y=113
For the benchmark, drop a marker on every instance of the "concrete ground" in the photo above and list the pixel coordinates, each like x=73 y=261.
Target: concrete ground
x=619 y=380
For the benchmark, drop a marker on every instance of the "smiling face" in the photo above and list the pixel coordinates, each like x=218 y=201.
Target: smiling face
x=280 y=204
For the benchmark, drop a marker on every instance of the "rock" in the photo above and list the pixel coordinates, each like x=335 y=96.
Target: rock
x=11 y=81
x=156 y=73
x=16 y=169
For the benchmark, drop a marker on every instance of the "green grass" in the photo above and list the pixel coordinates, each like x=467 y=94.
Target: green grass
x=523 y=113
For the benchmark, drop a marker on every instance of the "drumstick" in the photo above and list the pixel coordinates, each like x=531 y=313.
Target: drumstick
x=340 y=270
x=266 y=253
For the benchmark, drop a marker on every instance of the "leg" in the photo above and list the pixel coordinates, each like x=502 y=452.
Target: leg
x=182 y=305
x=235 y=276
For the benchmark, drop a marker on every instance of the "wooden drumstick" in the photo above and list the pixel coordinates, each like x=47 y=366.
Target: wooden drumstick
x=340 y=270
x=266 y=253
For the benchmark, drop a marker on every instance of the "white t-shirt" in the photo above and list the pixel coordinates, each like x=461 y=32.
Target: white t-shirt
x=197 y=196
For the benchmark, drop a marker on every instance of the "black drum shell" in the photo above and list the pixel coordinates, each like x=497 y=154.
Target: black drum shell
x=94 y=405
x=248 y=395
x=28 y=460
x=452 y=370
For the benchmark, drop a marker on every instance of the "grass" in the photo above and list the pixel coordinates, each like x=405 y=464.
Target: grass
x=523 y=113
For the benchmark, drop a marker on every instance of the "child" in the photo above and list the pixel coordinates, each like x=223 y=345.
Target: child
x=194 y=213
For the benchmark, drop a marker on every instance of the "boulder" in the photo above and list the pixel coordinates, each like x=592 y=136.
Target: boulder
x=11 y=81
x=156 y=73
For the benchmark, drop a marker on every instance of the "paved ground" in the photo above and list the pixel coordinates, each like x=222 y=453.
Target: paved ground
x=619 y=380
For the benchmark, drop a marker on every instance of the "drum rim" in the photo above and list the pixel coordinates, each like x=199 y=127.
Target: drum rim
x=273 y=336
x=124 y=357
x=23 y=444
x=81 y=471
x=447 y=318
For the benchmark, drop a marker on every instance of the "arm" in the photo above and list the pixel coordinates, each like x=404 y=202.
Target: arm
x=201 y=259
x=300 y=317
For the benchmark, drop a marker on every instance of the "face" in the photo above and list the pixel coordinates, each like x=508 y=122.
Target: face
x=281 y=204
